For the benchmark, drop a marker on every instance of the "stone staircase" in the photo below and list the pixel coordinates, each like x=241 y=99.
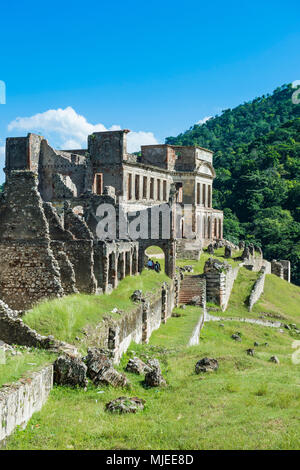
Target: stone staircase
x=191 y=286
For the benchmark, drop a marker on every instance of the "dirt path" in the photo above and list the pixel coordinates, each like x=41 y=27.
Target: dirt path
x=273 y=324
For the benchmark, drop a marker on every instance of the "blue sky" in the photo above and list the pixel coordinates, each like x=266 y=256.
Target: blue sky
x=154 y=67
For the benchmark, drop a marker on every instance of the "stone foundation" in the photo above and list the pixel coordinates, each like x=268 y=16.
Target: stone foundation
x=20 y=400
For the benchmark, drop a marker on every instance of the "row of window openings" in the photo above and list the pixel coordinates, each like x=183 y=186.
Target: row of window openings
x=206 y=195
x=161 y=188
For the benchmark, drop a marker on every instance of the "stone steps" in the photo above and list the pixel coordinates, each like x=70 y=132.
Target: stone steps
x=190 y=287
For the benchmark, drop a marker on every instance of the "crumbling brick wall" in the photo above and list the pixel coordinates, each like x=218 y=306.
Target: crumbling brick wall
x=28 y=269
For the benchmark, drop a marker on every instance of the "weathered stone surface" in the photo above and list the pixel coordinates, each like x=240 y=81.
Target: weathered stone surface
x=70 y=371
x=246 y=253
x=206 y=364
x=236 y=337
x=154 y=377
x=125 y=405
x=137 y=296
x=137 y=366
x=196 y=300
x=210 y=249
x=228 y=252
x=100 y=369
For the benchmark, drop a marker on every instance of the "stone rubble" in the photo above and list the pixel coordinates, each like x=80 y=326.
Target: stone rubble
x=125 y=405
x=70 y=371
x=101 y=371
x=206 y=364
x=137 y=366
x=154 y=377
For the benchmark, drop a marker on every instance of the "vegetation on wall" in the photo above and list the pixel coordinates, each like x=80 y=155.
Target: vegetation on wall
x=257 y=150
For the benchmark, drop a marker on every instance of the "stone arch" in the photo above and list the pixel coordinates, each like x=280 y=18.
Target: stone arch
x=169 y=249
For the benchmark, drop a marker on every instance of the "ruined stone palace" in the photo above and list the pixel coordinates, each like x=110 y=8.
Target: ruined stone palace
x=48 y=237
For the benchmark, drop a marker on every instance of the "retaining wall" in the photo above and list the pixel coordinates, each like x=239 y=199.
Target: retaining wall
x=258 y=289
x=20 y=400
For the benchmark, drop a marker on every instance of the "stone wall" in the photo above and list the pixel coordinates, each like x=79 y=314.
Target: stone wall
x=220 y=278
x=28 y=269
x=137 y=325
x=20 y=400
x=258 y=288
x=282 y=269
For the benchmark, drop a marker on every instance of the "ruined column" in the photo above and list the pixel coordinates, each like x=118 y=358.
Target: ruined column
x=164 y=302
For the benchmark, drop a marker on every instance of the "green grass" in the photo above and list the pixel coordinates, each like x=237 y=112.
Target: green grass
x=177 y=331
x=238 y=302
x=154 y=250
x=22 y=365
x=249 y=403
x=280 y=298
x=65 y=318
x=199 y=265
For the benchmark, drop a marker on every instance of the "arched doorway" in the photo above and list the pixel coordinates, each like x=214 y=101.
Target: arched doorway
x=155 y=254
x=168 y=247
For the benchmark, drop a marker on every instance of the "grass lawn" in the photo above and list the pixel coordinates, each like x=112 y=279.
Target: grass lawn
x=199 y=265
x=249 y=403
x=66 y=317
x=238 y=302
x=280 y=297
x=22 y=365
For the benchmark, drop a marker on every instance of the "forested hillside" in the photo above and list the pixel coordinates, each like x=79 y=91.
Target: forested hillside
x=257 y=160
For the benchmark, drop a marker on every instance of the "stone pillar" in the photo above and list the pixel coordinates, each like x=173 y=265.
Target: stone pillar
x=128 y=264
x=277 y=268
x=135 y=261
x=105 y=264
x=170 y=259
x=177 y=290
x=228 y=251
x=164 y=303
x=145 y=314
x=122 y=265
x=115 y=271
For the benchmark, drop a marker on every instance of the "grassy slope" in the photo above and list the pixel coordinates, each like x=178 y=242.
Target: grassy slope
x=280 y=297
x=199 y=265
x=238 y=302
x=19 y=366
x=65 y=318
x=249 y=403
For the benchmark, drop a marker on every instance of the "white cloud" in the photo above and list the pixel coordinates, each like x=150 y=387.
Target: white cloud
x=204 y=120
x=67 y=129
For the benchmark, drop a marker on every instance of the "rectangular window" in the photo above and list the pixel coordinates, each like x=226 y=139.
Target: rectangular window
x=179 y=194
x=198 y=193
x=145 y=182
x=209 y=196
x=151 y=188
x=204 y=195
x=137 y=187
x=164 y=190
x=129 y=187
x=98 y=183
x=158 y=190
